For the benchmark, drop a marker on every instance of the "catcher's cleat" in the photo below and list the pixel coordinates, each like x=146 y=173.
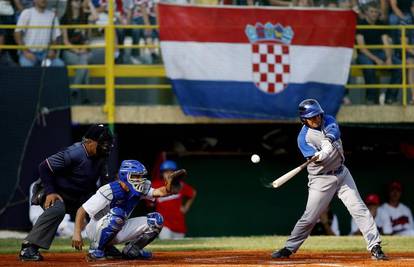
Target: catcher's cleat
x=95 y=255
x=378 y=254
x=30 y=253
x=111 y=252
x=141 y=255
x=282 y=253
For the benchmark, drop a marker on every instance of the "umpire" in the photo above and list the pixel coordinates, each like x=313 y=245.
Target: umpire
x=68 y=178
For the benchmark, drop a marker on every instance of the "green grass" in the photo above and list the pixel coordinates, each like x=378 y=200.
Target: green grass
x=317 y=243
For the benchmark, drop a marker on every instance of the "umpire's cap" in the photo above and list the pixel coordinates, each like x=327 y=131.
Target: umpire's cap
x=99 y=133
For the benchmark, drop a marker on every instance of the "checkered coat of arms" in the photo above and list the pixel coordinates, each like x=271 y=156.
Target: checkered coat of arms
x=270 y=47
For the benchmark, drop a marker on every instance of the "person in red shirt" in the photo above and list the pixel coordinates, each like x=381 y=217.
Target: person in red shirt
x=174 y=207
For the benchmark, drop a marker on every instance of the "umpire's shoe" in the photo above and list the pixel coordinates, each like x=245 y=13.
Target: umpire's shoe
x=30 y=252
x=377 y=253
x=282 y=253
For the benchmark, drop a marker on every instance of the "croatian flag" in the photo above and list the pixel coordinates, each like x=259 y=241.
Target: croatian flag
x=251 y=62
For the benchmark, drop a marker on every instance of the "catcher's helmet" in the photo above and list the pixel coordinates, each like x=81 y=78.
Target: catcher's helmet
x=168 y=165
x=309 y=108
x=132 y=173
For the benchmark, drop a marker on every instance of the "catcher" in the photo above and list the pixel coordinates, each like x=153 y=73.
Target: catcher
x=109 y=210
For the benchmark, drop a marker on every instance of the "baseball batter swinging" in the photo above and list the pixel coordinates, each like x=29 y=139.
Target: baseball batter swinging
x=320 y=137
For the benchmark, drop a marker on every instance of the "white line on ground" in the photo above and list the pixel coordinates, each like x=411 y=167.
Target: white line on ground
x=118 y=263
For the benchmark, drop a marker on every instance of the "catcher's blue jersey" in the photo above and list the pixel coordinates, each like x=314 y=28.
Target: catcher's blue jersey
x=119 y=198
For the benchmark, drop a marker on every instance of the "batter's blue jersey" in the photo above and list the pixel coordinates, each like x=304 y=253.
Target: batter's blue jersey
x=309 y=142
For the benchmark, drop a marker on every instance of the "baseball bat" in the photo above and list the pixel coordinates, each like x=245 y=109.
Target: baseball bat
x=289 y=175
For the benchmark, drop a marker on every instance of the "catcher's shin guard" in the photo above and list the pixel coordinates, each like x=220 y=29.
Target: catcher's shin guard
x=134 y=249
x=108 y=228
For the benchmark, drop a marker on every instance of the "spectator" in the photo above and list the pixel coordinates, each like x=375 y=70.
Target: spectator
x=344 y=4
x=76 y=56
x=100 y=13
x=396 y=218
x=332 y=4
x=5 y=59
x=303 y=3
x=359 y=5
x=143 y=13
x=410 y=61
x=68 y=177
x=327 y=224
x=401 y=13
x=372 y=201
x=8 y=11
x=173 y=208
x=38 y=16
x=376 y=56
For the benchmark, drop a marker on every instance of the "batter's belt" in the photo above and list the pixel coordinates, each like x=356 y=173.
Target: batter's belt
x=334 y=172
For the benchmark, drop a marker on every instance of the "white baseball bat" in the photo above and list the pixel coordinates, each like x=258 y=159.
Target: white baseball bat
x=289 y=175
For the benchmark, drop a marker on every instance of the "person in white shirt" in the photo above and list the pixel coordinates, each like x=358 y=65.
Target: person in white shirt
x=38 y=16
x=373 y=202
x=396 y=218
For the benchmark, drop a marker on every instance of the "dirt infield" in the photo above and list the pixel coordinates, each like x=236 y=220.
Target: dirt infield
x=222 y=258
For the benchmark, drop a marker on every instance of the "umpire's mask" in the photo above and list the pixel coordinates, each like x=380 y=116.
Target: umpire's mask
x=103 y=136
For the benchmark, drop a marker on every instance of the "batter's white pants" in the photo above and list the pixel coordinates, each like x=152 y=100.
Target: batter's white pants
x=318 y=201
x=132 y=228
x=166 y=233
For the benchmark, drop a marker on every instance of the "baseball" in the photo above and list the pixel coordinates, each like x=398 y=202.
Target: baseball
x=255 y=158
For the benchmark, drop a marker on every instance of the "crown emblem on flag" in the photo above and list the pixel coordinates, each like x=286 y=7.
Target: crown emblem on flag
x=269 y=32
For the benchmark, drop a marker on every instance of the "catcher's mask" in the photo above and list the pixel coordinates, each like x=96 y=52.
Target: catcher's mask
x=132 y=173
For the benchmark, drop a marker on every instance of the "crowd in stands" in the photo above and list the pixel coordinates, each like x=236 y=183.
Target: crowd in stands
x=143 y=12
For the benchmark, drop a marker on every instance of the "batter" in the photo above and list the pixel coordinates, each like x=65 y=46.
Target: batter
x=320 y=137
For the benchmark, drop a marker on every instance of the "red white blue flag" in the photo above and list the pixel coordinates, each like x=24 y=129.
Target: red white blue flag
x=251 y=62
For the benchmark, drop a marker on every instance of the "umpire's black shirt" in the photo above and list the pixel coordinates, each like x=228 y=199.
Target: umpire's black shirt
x=74 y=172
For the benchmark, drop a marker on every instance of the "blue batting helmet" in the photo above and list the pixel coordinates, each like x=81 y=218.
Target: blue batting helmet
x=132 y=173
x=309 y=108
x=168 y=165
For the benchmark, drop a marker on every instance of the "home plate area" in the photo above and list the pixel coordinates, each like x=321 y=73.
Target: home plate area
x=223 y=258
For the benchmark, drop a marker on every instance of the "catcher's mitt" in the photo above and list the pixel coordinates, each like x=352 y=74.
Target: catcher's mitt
x=173 y=182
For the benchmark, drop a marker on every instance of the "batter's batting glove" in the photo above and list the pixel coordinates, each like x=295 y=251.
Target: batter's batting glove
x=173 y=181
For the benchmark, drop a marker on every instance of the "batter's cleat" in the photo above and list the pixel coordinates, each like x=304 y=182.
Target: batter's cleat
x=282 y=253
x=111 y=252
x=95 y=255
x=30 y=252
x=378 y=254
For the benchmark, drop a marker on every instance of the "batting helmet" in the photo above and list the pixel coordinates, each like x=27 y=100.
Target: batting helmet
x=168 y=165
x=309 y=108
x=132 y=173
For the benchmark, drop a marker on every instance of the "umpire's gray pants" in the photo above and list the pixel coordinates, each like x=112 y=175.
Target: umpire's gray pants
x=44 y=230
x=318 y=202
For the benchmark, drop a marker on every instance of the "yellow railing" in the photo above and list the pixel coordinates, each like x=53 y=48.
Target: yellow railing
x=110 y=71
